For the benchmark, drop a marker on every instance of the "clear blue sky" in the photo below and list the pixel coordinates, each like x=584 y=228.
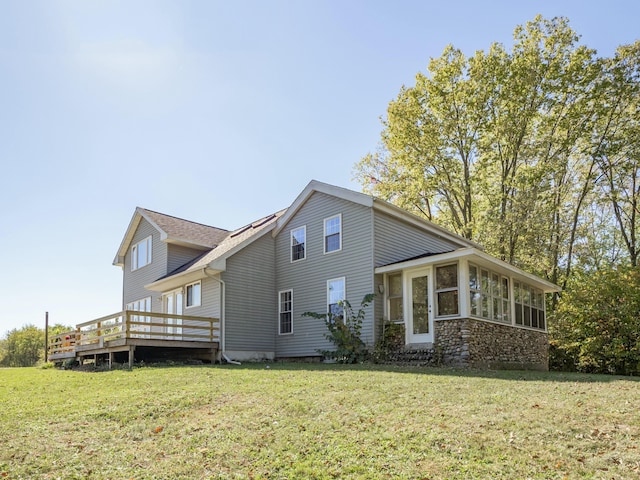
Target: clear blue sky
x=215 y=111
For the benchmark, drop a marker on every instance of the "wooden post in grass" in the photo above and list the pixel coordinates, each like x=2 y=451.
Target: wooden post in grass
x=46 y=337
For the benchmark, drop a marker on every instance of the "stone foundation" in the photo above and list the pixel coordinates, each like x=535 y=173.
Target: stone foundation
x=477 y=344
x=474 y=343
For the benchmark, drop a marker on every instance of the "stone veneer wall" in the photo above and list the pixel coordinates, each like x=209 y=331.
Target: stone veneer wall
x=474 y=343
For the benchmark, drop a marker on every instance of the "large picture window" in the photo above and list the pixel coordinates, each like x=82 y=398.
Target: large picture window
x=333 y=234
x=285 y=308
x=335 y=295
x=141 y=254
x=447 y=290
x=298 y=243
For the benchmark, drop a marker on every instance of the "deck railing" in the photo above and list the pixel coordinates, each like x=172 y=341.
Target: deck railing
x=131 y=324
x=62 y=345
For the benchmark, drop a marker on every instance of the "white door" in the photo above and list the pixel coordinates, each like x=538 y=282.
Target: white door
x=418 y=307
x=173 y=302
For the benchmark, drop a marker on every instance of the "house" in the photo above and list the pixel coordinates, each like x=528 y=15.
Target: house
x=241 y=294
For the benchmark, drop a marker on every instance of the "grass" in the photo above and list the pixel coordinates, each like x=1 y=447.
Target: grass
x=316 y=421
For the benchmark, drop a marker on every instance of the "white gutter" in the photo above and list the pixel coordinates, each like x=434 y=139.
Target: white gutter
x=223 y=289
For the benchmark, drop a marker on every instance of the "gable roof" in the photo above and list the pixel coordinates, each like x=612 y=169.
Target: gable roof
x=375 y=203
x=215 y=259
x=172 y=230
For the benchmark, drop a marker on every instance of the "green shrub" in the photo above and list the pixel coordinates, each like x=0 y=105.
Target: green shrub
x=596 y=327
x=345 y=332
x=391 y=340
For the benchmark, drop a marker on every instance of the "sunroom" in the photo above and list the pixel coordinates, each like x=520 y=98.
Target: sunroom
x=473 y=307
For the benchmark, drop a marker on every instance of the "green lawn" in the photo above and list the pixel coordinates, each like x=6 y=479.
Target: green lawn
x=316 y=421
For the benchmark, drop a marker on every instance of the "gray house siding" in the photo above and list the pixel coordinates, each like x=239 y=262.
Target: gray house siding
x=250 y=308
x=179 y=255
x=308 y=278
x=378 y=307
x=209 y=305
x=396 y=240
x=134 y=282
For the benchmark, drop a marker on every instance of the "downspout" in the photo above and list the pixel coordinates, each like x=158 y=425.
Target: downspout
x=223 y=288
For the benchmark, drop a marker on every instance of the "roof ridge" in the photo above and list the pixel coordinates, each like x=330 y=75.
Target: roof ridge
x=183 y=219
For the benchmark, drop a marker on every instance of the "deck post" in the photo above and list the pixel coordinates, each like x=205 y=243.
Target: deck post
x=131 y=350
x=110 y=359
x=46 y=336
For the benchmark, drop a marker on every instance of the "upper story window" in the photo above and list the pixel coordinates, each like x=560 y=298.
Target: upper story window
x=333 y=233
x=335 y=295
x=285 y=308
x=193 y=295
x=447 y=290
x=141 y=254
x=298 y=243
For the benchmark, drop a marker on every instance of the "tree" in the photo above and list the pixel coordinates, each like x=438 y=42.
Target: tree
x=617 y=152
x=23 y=347
x=496 y=146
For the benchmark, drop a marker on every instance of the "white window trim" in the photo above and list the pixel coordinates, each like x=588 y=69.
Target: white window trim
x=324 y=236
x=304 y=229
x=144 y=301
x=389 y=297
x=344 y=296
x=186 y=295
x=280 y=311
x=511 y=300
x=436 y=290
x=144 y=329
x=134 y=253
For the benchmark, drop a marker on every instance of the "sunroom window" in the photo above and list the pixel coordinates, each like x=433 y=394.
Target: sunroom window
x=447 y=290
x=529 y=304
x=395 y=297
x=489 y=292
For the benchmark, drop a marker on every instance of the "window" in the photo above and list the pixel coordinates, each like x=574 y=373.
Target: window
x=143 y=305
x=298 y=242
x=286 y=312
x=489 y=293
x=193 y=295
x=139 y=321
x=141 y=254
x=332 y=234
x=335 y=295
x=447 y=290
x=529 y=303
x=395 y=297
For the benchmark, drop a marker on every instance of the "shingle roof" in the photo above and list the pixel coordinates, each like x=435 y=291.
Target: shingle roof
x=186 y=230
x=235 y=238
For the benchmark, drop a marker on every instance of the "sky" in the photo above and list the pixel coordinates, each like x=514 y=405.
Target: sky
x=216 y=111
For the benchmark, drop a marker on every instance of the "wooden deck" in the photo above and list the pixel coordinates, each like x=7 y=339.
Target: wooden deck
x=128 y=330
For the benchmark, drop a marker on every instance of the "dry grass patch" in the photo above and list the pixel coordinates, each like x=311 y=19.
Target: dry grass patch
x=317 y=421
